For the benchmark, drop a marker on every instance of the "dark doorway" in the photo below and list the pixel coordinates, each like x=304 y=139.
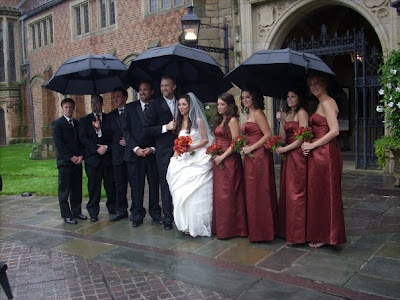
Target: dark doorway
x=3 y=136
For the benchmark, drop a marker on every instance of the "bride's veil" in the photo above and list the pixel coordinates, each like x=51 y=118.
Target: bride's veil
x=198 y=118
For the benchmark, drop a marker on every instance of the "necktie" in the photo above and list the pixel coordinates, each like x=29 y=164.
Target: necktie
x=121 y=111
x=146 y=107
x=70 y=123
x=98 y=118
x=171 y=106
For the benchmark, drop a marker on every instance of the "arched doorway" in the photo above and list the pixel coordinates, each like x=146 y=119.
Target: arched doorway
x=3 y=133
x=350 y=46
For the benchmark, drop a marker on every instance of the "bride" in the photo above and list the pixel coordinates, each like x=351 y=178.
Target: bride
x=189 y=176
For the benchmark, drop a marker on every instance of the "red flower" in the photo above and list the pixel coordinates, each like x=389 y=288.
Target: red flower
x=238 y=143
x=274 y=142
x=213 y=150
x=304 y=133
x=181 y=144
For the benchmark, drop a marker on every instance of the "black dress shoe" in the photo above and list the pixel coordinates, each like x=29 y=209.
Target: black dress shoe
x=94 y=219
x=112 y=212
x=167 y=226
x=158 y=220
x=131 y=218
x=136 y=223
x=118 y=217
x=70 y=221
x=81 y=217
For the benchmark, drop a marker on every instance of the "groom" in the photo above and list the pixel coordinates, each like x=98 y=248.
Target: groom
x=159 y=124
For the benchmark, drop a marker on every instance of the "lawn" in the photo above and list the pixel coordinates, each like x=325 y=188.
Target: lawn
x=21 y=174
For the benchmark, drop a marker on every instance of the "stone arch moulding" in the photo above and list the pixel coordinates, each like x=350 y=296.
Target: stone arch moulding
x=37 y=79
x=128 y=59
x=297 y=10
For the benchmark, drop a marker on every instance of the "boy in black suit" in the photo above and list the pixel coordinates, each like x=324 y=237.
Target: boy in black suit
x=69 y=162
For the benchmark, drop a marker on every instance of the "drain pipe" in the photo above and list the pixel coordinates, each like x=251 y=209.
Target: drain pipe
x=27 y=71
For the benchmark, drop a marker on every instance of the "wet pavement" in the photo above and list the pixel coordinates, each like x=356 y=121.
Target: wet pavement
x=49 y=259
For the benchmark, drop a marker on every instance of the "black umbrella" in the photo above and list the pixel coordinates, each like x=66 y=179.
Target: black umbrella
x=194 y=70
x=88 y=74
x=273 y=72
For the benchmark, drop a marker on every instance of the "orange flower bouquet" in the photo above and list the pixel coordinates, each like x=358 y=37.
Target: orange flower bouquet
x=238 y=143
x=304 y=133
x=274 y=142
x=181 y=144
x=213 y=150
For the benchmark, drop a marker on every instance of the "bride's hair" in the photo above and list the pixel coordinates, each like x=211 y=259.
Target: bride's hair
x=179 y=118
x=232 y=112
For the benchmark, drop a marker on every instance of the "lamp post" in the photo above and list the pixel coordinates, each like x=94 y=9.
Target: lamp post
x=191 y=27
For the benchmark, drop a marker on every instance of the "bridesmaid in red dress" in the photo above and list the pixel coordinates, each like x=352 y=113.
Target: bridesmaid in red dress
x=325 y=220
x=229 y=209
x=293 y=180
x=259 y=174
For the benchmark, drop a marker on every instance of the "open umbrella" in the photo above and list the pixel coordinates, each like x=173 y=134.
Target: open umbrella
x=88 y=74
x=273 y=72
x=194 y=70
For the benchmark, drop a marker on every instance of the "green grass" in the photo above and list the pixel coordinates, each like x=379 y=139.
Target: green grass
x=22 y=174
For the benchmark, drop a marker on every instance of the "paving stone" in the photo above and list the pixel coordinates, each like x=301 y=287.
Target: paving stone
x=265 y=289
x=214 y=248
x=273 y=245
x=88 y=249
x=244 y=255
x=385 y=268
x=366 y=214
x=378 y=207
x=390 y=250
x=226 y=281
x=281 y=259
x=374 y=285
x=38 y=239
x=324 y=268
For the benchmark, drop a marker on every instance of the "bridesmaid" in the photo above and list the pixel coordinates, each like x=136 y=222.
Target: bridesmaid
x=259 y=174
x=229 y=209
x=293 y=180
x=325 y=220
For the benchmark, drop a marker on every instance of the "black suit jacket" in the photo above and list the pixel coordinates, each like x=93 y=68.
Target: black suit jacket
x=158 y=115
x=117 y=125
x=90 y=140
x=66 y=140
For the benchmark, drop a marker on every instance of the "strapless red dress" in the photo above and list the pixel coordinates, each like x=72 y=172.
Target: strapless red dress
x=229 y=207
x=293 y=191
x=260 y=189
x=325 y=220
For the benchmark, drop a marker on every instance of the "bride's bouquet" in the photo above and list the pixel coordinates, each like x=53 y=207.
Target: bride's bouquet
x=181 y=144
x=238 y=143
x=274 y=142
x=303 y=133
x=213 y=150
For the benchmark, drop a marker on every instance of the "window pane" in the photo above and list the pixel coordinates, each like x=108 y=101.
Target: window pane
x=50 y=20
x=11 y=52
x=45 y=40
x=112 y=12
x=78 y=20
x=2 y=69
x=153 y=5
x=33 y=36
x=177 y=2
x=86 y=17
x=103 y=13
x=39 y=34
x=166 y=3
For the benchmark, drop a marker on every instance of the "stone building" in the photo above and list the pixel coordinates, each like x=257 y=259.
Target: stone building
x=36 y=36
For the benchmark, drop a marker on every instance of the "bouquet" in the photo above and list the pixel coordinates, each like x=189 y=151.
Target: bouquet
x=274 y=142
x=181 y=144
x=214 y=150
x=238 y=143
x=304 y=133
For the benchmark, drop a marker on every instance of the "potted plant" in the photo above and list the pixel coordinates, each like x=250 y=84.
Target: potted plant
x=390 y=106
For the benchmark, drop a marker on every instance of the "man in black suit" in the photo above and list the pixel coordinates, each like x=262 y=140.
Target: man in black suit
x=159 y=124
x=69 y=162
x=96 y=136
x=118 y=146
x=141 y=159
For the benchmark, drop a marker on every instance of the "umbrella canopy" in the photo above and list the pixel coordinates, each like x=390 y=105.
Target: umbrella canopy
x=88 y=74
x=273 y=72
x=194 y=70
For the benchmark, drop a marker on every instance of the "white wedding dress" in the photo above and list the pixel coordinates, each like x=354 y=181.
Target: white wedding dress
x=191 y=185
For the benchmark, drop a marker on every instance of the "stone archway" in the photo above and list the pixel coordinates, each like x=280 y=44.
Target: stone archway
x=37 y=96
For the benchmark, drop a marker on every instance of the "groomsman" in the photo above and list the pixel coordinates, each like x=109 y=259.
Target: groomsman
x=96 y=136
x=159 y=124
x=141 y=159
x=118 y=147
x=69 y=162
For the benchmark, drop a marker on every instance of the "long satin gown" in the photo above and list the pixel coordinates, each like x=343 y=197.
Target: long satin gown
x=191 y=185
x=325 y=220
x=260 y=188
x=293 y=191
x=229 y=207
